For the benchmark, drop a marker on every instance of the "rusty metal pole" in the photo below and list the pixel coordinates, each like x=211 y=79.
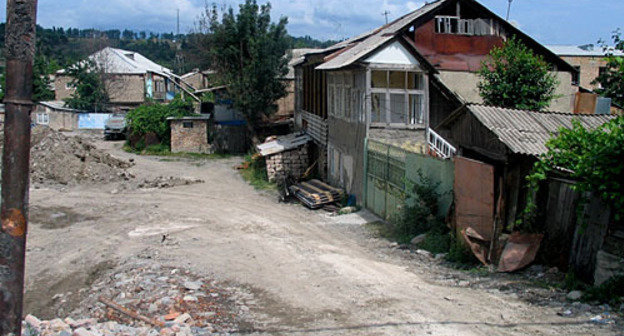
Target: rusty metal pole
x=20 y=51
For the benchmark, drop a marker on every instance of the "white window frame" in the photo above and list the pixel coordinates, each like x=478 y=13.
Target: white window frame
x=423 y=92
x=43 y=118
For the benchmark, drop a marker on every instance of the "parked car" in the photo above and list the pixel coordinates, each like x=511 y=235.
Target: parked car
x=115 y=127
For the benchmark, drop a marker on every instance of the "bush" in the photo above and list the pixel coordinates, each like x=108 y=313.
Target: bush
x=152 y=118
x=419 y=211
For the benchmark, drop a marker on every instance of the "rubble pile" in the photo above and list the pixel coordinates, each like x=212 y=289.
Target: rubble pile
x=56 y=158
x=149 y=301
x=59 y=159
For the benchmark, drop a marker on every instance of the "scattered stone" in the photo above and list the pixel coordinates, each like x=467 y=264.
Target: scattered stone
x=440 y=256
x=192 y=285
x=182 y=318
x=190 y=298
x=33 y=321
x=419 y=239
x=424 y=253
x=574 y=295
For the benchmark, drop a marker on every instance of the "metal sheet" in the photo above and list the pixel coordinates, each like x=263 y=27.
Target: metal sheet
x=474 y=196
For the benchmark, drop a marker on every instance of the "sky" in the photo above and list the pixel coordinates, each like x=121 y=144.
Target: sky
x=548 y=21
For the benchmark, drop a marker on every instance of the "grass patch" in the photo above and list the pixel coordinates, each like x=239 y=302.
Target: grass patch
x=255 y=173
x=164 y=150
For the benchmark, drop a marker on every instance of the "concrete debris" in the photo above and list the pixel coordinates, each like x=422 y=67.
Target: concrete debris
x=150 y=300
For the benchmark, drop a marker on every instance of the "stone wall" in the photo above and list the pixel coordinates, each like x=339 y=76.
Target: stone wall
x=292 y=163
x=190 y=136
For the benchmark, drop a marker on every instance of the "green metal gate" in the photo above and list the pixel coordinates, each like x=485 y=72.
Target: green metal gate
x=385 y=178
x=388 y=168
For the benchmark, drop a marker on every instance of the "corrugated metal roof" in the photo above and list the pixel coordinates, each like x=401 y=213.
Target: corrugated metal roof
x=364 y=44
x=526 y=132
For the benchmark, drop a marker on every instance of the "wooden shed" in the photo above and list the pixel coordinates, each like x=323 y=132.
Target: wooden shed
x=503 y=145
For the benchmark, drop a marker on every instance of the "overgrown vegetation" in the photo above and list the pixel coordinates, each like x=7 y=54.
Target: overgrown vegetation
x=254 y=171
x=152 y=119
x=611 y=80
x=418 y=213
x=418 y=216
x=594 y=158
x=514 y=77
x=247 y=51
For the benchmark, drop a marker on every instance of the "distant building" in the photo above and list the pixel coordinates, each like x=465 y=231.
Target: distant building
x=588 y=60
x=130 y=79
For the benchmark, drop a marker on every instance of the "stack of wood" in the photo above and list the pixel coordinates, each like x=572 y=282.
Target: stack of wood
x=314 y=193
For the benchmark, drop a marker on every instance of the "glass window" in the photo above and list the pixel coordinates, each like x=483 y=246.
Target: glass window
x=416 y=110
x=397 y=109
x=379 y=79
x=415 y=81
x=397 y=80
x=378 y=107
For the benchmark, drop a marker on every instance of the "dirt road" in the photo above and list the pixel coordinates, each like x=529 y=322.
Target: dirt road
x=310 y=274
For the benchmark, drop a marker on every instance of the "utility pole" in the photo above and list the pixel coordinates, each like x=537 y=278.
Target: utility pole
x=20 y=50
x=385 y=13
x=178 y=24
x=508 y=9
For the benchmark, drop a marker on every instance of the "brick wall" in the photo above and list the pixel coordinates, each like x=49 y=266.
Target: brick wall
x=190 y=136
x=293 y=162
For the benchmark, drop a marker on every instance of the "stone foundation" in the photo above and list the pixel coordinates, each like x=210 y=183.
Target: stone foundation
x=291 y=163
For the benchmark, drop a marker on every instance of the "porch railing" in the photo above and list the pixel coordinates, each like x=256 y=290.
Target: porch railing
x=438 y=146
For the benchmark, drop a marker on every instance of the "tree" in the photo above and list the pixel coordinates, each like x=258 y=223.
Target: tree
x=90 y=90
x=612 y=79
x=247 y=51
x=514 y=77
x=41 y=80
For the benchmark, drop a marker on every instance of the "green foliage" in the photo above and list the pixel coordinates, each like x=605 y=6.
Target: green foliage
x=595 y=158
x=256 y=174
x=41 y=79
x=419 y=210
x=515 y=77
x=90 y=91
x=460 y=253
x=247 y=51
x=437 y=241
x=612 y=79
x=152 y=118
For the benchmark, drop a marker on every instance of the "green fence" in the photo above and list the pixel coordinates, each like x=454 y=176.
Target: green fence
x=389 y=171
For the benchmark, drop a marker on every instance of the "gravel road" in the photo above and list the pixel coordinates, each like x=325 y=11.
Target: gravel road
x=310 y=274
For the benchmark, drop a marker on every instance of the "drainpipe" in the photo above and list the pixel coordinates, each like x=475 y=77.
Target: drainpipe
x=20 y=50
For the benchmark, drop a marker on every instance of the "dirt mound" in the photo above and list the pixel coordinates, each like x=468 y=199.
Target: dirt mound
x=59 y=159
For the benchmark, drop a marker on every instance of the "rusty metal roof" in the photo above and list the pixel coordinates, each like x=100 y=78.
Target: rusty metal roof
x=354 y=49
x=526 y=132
